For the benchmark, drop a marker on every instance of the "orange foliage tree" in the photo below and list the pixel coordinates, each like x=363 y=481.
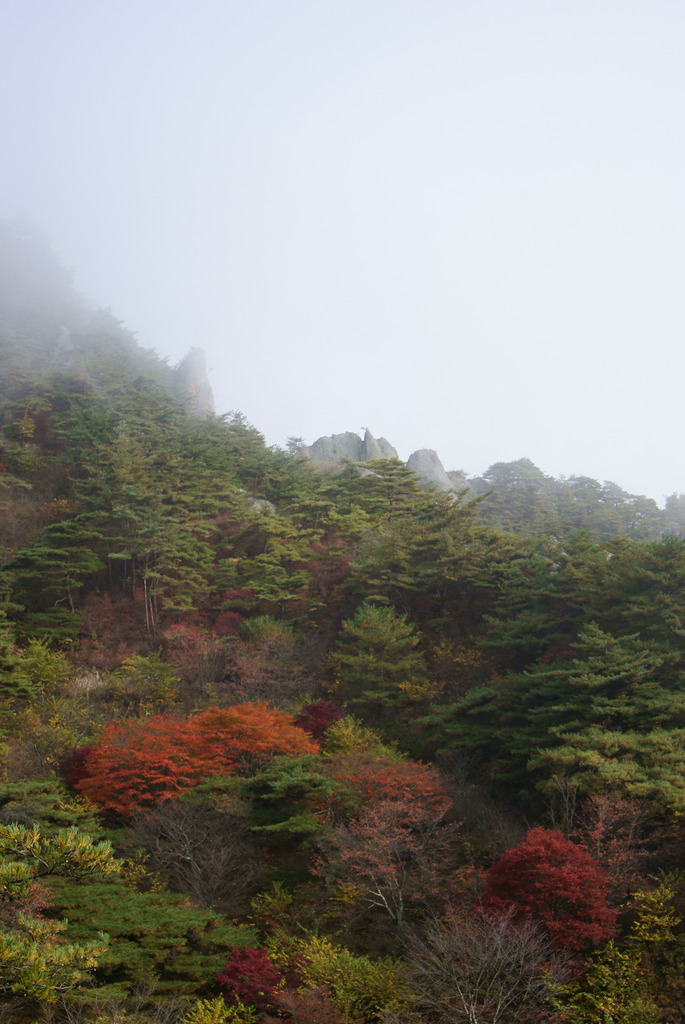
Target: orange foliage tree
x=140 y=763
x=371 y=778
x=254 y=732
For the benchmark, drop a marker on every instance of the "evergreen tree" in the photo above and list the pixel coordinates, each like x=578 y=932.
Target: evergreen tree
x=36 y=960
x=608 y=702
x=14 y=683
x=377 y=658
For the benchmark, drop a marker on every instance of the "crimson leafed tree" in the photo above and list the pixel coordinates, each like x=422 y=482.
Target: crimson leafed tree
x=548 y=879
x=249 y=977
x=317 y=718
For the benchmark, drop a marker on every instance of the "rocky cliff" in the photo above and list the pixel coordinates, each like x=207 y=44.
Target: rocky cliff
x=336 y=449
x=193 y=385
x=426 y=464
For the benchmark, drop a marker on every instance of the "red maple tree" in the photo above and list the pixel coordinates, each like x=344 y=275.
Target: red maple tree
x=318 y=717
x=249 y=977
x=548 y=879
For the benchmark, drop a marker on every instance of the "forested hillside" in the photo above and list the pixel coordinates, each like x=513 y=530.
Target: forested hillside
x=290 y=745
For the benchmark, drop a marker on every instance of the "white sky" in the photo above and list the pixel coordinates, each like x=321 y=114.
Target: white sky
x=457 y=222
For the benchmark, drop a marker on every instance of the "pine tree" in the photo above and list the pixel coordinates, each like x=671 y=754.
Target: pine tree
x=377 y=658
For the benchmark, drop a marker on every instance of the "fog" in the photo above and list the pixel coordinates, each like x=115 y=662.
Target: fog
x=458 y=223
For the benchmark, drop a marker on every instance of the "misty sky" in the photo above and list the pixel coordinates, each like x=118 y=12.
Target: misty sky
x=457 y=222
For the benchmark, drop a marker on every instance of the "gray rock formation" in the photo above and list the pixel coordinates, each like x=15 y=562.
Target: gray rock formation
x=428 y=467
x=339 y=448
x=336 y=448
x=377 y=448
x=193 y=384
x=387 y=450
x=371 y=447
x=262 y=505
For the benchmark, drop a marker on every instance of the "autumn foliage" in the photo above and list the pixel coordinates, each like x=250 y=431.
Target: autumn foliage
x=249 y=977
x=396 y=846
x=371 y=779
x=550 y=880
x=199 y=655
x=109 y=632
x=391 y=856
x=253 y=732
x=74 y=767
x=138 y=764
x=317 y=718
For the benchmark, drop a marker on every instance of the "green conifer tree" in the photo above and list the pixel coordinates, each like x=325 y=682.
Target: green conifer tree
x=377 y=658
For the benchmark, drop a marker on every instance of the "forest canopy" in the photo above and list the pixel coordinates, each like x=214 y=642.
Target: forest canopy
x=282 y=744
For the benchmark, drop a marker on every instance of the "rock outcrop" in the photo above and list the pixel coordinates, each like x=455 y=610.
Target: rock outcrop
x=193 y=384
x=370 y=447
x=428 y=467
x=377 y=448
x=337 y=449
